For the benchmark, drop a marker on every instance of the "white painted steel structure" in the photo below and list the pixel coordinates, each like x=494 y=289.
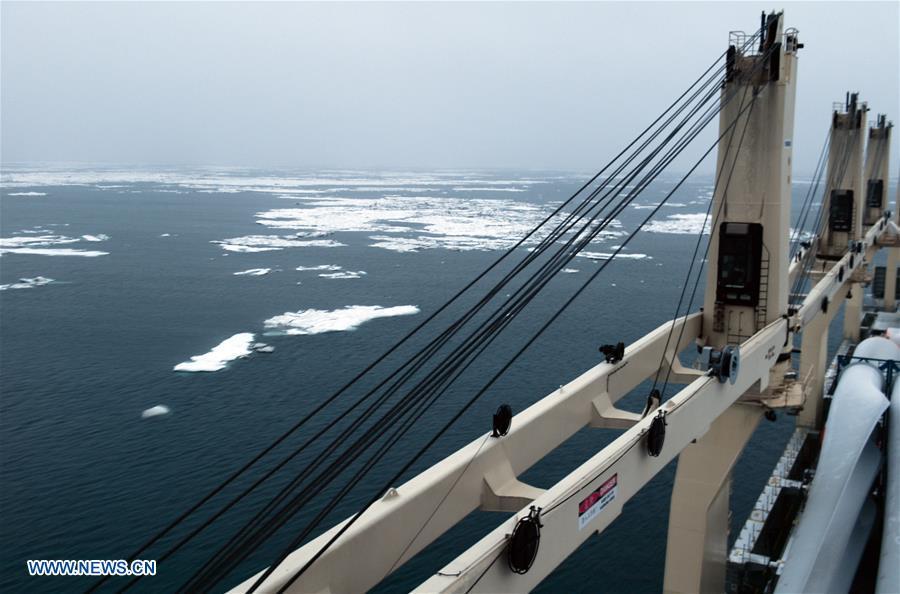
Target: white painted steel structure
x=845 y=174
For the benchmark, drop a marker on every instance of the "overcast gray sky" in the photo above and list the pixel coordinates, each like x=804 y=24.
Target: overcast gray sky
x=524 y=85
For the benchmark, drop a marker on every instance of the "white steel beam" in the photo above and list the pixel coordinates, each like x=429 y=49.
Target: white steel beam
x=839 y=275
x=483 y=568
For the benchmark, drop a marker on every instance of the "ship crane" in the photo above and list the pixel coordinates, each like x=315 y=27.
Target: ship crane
x=761 y=291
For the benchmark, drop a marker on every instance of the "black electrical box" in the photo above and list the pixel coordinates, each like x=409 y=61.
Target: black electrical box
x=841 y=210
x=740 y=262
x=875 y=193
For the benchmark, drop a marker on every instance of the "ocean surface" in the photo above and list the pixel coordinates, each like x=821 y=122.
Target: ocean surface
x=132 y=302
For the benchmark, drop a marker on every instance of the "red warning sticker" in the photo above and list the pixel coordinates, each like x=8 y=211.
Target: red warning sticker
x=594 y=503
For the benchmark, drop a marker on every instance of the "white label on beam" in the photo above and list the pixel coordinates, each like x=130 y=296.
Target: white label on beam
x=594 y=503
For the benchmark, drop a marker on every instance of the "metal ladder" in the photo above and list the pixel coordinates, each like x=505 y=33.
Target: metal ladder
x=762 y=304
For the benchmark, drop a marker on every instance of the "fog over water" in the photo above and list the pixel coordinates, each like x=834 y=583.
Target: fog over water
x=429 y=85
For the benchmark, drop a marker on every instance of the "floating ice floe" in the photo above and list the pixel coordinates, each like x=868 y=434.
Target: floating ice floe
x=54 y=252
x=332 y=271
x=253 y=272
x=680 y=224
x=476 y=189
x=35 y=240
x=321 y=267
x=27 y=194
x=100 y=237
x=608 y=256
x=425 y=242
x=419 y=222
x=226 y=351
x=41 y=245
x=261 y=347
x=344 y=274
x=268 y=243
x=27 y=283
x=165 y=235
x=156 y=411
x=657 y=204
x=569 y=270
x=318 y=321
x=402 y=244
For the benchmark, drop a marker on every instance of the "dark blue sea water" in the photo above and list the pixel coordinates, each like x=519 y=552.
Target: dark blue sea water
x=83 y=475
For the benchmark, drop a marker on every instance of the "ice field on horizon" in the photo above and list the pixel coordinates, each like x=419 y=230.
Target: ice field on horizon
x=402 y=212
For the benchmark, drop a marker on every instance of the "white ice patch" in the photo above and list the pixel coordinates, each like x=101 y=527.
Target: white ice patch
x=680 y=224
x=332 y=271
x=401 y=244
x=269 y=243
x=253 y=272
x=53 y=252
x=605 y=256
x=424 y=242
x=321 y=267
x=344 y=274
x=27 y=283
x=419 y=222
x=27 y=194
x=35 y=240
x=569 y=270
x=41 y=245
x=318 y=321
x=156 y=411
x=488 y=190
x=100 y=237
x=652 y=206
x=227 y=350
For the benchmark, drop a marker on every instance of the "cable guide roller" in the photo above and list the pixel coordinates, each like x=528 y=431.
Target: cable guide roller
x=502 y=420
x=656 y=435
x=524 y=541
x=724 y=365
